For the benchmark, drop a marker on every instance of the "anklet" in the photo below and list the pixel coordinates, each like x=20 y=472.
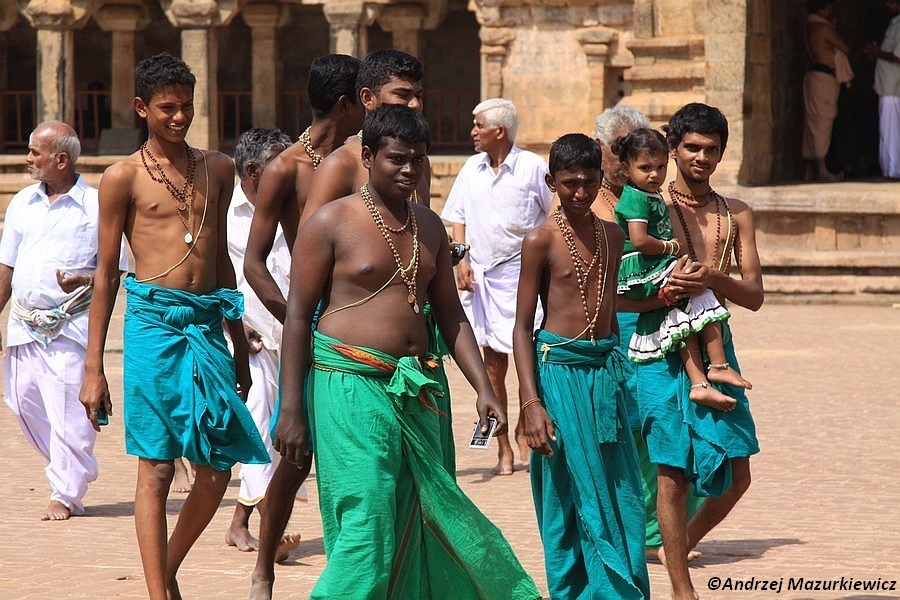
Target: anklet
x=720 y=367
x=699 y=386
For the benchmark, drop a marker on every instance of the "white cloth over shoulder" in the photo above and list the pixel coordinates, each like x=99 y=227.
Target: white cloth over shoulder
x=887 y=73
x=41 y=237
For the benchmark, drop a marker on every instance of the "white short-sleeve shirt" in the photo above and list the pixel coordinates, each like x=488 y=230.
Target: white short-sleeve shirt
x=887 y=74
x=256 y=315
x=499 y=209
x=41 y=237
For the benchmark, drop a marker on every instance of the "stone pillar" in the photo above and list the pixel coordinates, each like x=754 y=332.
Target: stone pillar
x=198 y=20
x=348 y=22
x=596 y=44
x=200 y=50
x=263 y=19
x=56 y=23
x=404 y=21
x=495 y=42
x=122 y=20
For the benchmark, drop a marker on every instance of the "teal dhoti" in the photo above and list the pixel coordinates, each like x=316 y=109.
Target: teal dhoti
x=689 y=436
x=588 y=498
x=179 y=379
x=395 y=523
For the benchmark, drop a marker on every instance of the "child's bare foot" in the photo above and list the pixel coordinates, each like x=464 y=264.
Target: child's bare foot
x=505 y=461
x=723 y=373
x=659 y=555
x=288 y=543
x=705 y=394
x=181 y=483
x=241 y=538
x=56 y=511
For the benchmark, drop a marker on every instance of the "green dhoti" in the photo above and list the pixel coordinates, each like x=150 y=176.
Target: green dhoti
x=395 y=523
x=438 y=348
x=179 y=379
x=588 y=497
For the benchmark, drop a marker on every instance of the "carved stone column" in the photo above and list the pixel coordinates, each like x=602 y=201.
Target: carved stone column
x=198 y=20
x=404 y=21
x=122 y=18
x=263 y=20
x=495 y=42
x=9 y=16
x=56 y=21
x=596 y=44
x=348 y=22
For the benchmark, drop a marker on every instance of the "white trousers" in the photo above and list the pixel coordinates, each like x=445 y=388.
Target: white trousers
x=261 y=404
x=889 y=135
x=42 y=386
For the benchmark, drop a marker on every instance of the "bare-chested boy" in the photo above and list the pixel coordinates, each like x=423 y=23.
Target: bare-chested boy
x=282 y=193
x=572 y=373
x=395 y=523
x=171 y=200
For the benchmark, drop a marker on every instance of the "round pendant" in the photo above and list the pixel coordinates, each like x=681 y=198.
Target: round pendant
x=188 y=238
x=180 y=206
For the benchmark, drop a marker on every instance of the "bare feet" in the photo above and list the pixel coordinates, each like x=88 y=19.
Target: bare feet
x=56 y=511
x=181 y=483
x=659 y=555
x=705 y=394
x=289 y=542
x=260 y=589
x=725 y=374
x=242 y=539
x=505 y=458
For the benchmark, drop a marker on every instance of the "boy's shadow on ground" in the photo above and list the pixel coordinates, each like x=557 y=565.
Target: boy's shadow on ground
x=486 y=474
x=723 y=552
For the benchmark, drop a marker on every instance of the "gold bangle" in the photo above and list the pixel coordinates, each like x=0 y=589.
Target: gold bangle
x=529 y=402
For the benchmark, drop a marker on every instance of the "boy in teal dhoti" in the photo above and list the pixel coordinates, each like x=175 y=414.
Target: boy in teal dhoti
x=181 y=385
x=395 y=523
x=584 y=469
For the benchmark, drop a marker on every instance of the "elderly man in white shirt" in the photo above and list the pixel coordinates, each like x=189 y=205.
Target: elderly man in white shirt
x=48 y=253
x=255 y=149
x=499 y=196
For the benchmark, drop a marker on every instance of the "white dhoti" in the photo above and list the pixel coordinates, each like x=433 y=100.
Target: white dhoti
x=261 y=404
x=820 y=101
x=491 y=307
x=889 y=135
x=42 y=386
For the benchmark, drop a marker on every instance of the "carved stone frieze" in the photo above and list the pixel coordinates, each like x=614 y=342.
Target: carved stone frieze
x=56 y=14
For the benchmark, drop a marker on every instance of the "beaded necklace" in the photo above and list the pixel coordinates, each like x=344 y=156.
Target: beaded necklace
x=307 y=145
x=678 y=199
x=409 y=273
x=184 y=197
x=582 y=274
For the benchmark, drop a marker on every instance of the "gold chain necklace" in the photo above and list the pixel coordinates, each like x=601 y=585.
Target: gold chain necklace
x=307 y=145
x=679 y=199
x=582 y=274
x=184 y=197
x=409 y=273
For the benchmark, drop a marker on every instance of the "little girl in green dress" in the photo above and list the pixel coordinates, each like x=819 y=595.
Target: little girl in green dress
x=650 y=254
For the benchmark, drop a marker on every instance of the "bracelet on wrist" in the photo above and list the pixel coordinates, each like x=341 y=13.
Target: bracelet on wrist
x=529 y=402
x=664 y=296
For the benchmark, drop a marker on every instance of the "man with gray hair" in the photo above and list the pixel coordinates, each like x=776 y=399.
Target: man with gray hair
x=499 y=196
x=256 y=148
x=48 y=254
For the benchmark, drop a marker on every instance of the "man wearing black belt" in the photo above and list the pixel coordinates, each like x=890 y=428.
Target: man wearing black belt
x=821 y=87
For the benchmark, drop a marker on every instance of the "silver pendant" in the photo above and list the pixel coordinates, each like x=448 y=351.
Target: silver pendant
x=188 y=238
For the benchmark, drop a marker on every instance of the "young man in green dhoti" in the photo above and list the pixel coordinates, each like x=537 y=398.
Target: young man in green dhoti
x=584 y=469
x=395 y=523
